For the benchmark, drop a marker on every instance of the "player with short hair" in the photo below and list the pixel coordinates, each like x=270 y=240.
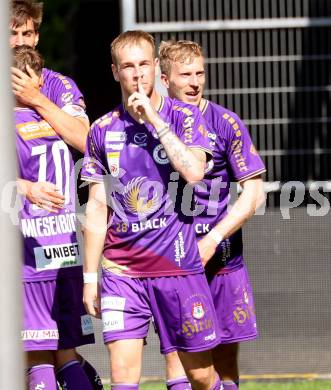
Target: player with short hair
x=55 y=321
x=146 y=151
x=218 y=229
x=58 y=101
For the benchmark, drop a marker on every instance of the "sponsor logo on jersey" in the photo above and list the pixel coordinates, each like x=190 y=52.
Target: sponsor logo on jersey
x=115 y=136
x=113 y=159
x=179 y=248
x=160 y=155
x=138 y=198
x=188 y=129
x=33 y=130
x=115 y=146
x=49 y=226
x=38 y=334
x=57 y=256
x=140 y=139
x=237 y=151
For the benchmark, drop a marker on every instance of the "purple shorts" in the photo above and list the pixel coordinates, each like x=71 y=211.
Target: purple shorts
x=234 y=305
x=182 y=308
x=54 y=315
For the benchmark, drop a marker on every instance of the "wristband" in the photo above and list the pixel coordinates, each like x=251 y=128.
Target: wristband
x=214 y=234
x=90 y=277
x=165 y=130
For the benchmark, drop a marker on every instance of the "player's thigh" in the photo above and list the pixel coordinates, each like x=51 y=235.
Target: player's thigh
x=234 y=305
x=183 y=312
x=74 y=324
x=40 y=330
x=125 y=308
x=197 y=365
x=36 y=358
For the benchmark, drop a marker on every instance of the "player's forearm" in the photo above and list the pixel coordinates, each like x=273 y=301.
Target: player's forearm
x=72 y=130
x=23 y=186
x=94 y=236
x=183 y=159
x=243 y=209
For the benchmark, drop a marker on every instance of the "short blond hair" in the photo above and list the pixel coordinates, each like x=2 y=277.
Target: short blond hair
x=131 y=37
x=177 y=51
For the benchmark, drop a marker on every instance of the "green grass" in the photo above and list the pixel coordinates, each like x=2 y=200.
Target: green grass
x=293 y=385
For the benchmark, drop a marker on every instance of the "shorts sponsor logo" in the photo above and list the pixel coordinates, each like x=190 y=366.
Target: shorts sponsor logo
x=197 y=318
x=160 y=155
x=198 y=311
x=211 y=337
x=57 y=256
x=87 y=324
x=40 y=334
x=40 y=386
x=115 y=136
x=115 y=303
x=242 y=314
x=113 y=320
x=245 y=296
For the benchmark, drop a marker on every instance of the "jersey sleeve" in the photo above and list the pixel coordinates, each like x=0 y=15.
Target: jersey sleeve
x=94 y=167
x=191 y=128
x=65 y=94
x=243 y=158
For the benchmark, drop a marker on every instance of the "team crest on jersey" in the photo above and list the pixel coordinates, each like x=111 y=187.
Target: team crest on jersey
x=113 y=159
x=198 y=311
x=138 y=198
x=160 y=155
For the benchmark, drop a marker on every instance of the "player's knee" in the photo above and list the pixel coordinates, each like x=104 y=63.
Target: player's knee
x=121 y=372
x=202 y=379
x=63 y=356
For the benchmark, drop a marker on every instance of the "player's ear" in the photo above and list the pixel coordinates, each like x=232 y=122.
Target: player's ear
x=36 y=39
x=41 y=80
x=165 y=80
x=115 y=72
